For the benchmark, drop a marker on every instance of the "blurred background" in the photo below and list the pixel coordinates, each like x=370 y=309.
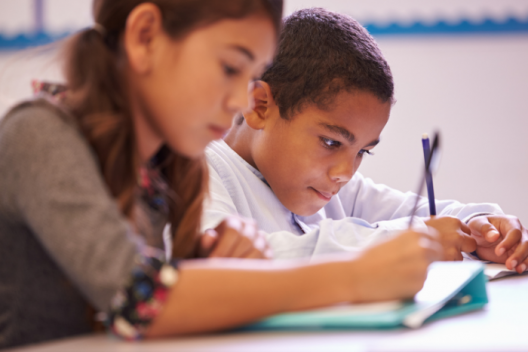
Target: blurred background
x=460 y=66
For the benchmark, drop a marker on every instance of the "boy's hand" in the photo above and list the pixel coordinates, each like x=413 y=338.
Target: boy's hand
x=454 y=235
x=501 y=239
x=235 y=238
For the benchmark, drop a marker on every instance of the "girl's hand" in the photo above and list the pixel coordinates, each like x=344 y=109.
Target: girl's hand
x=454 y=236
x=395 y=269
x=501 y=239
x=235 y=237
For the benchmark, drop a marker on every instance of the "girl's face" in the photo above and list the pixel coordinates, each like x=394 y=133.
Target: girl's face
x=186 y=92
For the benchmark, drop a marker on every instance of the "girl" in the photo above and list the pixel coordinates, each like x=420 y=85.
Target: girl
x=88 y=182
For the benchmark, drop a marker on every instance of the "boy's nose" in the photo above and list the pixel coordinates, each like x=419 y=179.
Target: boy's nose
x=343 y=171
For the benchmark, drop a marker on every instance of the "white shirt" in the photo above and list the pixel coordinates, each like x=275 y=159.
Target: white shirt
x=361 y=213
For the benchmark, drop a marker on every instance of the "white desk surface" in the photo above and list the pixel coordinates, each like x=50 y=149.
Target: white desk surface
x=501 y=326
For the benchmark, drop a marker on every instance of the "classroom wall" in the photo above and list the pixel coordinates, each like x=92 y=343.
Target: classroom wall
x=473 y=90
x=472 y=85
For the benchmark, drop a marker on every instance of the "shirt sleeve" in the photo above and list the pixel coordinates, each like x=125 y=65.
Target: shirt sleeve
x=219 y=204
x=372 y=213
x=362 y=198
x=57 y=190
x=347 y=235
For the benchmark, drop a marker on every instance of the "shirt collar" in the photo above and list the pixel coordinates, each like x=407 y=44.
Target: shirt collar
x=235 y=155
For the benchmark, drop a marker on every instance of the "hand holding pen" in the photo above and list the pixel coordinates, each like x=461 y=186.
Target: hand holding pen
x=454 y=235
x=497 y=238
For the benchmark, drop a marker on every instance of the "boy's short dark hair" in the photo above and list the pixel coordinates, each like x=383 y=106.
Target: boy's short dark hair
x=320 y=54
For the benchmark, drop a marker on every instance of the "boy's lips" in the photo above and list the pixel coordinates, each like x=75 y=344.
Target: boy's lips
x=324 y=195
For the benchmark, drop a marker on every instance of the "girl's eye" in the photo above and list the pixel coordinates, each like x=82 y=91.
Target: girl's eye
x=364 y=151
x=230 y=70
x=330 y=143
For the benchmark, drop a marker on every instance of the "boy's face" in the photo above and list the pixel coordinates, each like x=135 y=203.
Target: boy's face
x=307 y=159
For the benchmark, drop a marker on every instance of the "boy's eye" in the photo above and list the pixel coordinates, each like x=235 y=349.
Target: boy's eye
x=330 y=143
x=230 y=70
x=364 y=151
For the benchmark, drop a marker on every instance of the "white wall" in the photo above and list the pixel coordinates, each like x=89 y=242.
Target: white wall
x=474 y=90
x=17 y=16
x=18 y=69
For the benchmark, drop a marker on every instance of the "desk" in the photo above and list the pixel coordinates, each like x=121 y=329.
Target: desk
x=501 y=326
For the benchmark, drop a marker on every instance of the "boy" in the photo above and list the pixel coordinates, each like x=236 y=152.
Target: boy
x=291 y=162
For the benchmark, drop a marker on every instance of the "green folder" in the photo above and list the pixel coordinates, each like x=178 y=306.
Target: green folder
x=451 y=288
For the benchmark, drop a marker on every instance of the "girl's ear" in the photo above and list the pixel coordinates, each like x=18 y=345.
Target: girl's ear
x=142 y=33
x=263 y=105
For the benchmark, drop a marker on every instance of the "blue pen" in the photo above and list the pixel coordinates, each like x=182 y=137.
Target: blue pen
x=428 y=175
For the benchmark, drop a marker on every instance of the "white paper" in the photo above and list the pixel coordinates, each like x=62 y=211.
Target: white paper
x=496 y=271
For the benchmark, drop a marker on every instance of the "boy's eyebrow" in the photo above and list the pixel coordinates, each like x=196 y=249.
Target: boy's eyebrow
x=340 y=130
x=244 y=51
x=373 y=143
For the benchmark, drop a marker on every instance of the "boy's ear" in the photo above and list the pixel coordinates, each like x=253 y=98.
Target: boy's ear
x=143 y=27
x=263 y=104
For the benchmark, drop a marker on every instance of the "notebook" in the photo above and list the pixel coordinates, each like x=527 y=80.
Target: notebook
x=492 y=270
x=450 y=288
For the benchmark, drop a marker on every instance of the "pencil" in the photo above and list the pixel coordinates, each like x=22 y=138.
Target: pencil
x=428 y=175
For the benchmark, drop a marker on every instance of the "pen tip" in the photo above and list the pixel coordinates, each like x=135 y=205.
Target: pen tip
x=425 y=136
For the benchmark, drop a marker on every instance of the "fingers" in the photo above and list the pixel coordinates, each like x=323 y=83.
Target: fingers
x=480 y=226
x=454 y=235
x=263 y=245
x=257 y=254
x=511 y=239
x=421 y=245
x=229 y=231
x=421 y=250
x=514 y=244
x=452 y=254
x=395 y=269
x=522 y=267
x=468 y=244
x=245 y=243
x=520 y=250
x=253 y=245
x=433 y=249
x=239 y=238
x=465 y=228
x=259 y=248
x=520 y=257
x=207 y=242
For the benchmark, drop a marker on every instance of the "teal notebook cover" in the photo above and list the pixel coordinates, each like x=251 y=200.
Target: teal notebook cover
x=451 y=288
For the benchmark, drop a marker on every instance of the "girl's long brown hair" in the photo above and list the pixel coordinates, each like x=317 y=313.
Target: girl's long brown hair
x=98 y=101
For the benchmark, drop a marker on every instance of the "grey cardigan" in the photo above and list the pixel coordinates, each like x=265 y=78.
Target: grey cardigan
x=63 y=241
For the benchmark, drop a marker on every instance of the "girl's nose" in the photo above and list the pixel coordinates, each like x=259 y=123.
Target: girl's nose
x=240 y=101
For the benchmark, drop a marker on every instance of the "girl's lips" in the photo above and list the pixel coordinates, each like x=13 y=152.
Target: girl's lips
x=323 y=195
x=218 y=132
